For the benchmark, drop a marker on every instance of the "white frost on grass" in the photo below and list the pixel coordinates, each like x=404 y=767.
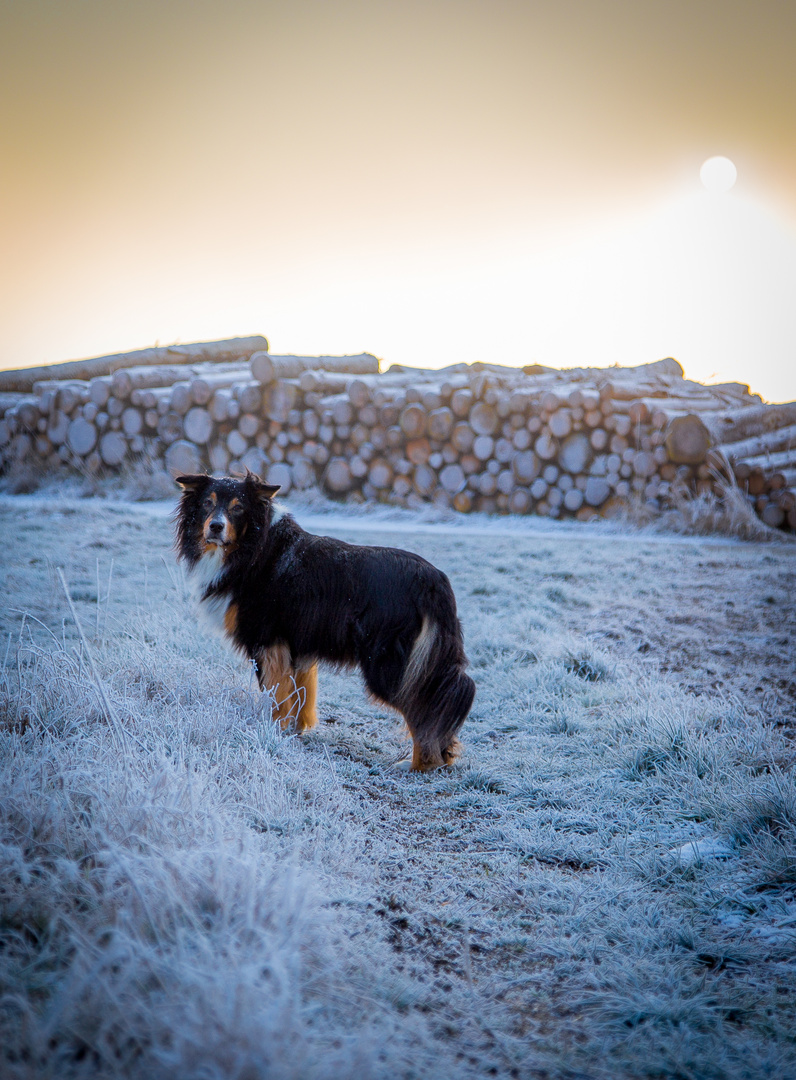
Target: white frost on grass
x=224 y=900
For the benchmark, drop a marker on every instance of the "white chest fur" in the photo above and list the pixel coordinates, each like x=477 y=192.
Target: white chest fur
x=204 y=574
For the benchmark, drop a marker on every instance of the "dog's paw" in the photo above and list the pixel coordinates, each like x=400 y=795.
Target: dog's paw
x=404 y=765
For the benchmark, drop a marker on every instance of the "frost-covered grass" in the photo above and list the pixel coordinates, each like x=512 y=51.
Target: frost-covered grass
x=604 y=887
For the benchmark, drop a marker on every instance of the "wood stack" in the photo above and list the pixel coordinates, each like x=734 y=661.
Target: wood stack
x=475 y=437
x=759 y=450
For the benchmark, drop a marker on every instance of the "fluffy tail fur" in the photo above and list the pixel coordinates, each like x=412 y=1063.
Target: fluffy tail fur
x=435 y=693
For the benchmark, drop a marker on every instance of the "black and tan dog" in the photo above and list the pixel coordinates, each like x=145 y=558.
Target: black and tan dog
x=288 y=600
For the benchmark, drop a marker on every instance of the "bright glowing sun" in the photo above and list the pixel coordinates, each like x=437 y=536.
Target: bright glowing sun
x=718 y=174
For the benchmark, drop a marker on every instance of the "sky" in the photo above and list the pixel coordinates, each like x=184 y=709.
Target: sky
x=432 y=182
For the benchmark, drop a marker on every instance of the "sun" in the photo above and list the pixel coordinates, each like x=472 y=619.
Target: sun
x=718 y=174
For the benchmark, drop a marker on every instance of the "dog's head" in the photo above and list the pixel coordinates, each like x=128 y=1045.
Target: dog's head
x=217 y=515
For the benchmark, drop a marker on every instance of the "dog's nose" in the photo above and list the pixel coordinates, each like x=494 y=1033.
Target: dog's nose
x=215 y=528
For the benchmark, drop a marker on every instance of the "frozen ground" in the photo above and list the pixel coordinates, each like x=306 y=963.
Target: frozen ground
x=604 y=887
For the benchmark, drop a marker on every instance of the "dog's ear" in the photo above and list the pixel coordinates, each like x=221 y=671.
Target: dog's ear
x=191 y=482
x=262 y=490
x=266 y=492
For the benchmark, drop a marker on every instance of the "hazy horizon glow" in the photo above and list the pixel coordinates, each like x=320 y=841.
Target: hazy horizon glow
x=429 y=182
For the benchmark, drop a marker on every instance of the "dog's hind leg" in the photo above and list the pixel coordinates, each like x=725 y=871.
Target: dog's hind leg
x=435 y=718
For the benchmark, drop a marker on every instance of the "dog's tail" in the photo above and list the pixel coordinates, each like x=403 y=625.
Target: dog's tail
x=419 y=658
x=435 y=694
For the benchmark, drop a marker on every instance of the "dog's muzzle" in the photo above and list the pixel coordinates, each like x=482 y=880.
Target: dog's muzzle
x=216 y=530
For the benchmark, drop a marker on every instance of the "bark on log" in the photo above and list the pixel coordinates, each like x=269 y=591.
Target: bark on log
x=265 y=368
x=204 y=386
x=125 y=380
x=228 y=349
x=746 y=423
x=278 y=400
x=785 y=459
x=781 y=439
x=323 y=382
x=667 y=369
x=9 y=401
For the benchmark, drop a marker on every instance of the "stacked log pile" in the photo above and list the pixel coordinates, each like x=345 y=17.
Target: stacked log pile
x=758 y=448
x=475 y=437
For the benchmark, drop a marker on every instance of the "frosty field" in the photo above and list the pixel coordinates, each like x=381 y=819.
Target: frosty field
x=603 y=887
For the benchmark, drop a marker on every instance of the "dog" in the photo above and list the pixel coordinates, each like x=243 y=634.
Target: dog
x=288 y=600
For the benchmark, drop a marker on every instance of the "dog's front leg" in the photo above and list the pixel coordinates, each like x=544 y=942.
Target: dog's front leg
x=277 y=677
x=307 y=690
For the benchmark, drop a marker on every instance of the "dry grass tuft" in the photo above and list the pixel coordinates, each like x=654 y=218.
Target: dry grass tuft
x=728 y=513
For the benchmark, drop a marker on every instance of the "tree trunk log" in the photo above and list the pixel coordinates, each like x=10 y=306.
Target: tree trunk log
x=687 y=440
x=113 y=448
x=278 y=400
x=746 y=423
x=265 y=368
x=323 y=382
x=786 y=459
x=781 y=439
x=198 y=424
x=337 y=476
x=125 y=380
x=413 y=421
x=575 y=454
x=183 y=457
x=81 y=437
x=229 y=349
